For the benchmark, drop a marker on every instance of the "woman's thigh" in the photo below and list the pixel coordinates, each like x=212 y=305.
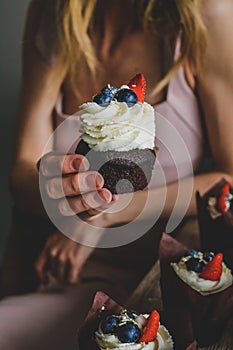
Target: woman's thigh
x=26 y=239
x=49 y=320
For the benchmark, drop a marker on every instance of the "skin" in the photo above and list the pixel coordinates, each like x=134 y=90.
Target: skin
x=62 y=257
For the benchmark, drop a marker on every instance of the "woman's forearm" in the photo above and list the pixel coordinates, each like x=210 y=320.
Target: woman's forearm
x=24 y=186
x=142 y=205
x=161 y=202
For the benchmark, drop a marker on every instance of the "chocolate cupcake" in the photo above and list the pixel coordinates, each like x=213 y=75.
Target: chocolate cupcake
x=118 y=136
x=197 y=295
x=122 y=329
x=215 y=218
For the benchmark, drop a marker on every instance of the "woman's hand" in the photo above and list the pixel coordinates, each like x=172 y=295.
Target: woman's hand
x=62 y=258
x=73 y=189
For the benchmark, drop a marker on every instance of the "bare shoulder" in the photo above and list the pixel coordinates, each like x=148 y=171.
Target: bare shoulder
x=217 y=9
x=215 y=81
x=33 y=17
x=36 y=12
x=218 y=16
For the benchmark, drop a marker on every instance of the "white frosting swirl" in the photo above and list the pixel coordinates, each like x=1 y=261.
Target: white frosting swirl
x=118 y=127
x=203 y=286
x=163 y=341
x=212 y=201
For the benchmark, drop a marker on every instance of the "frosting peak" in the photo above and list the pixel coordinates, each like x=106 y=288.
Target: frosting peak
x=118 y=127
x=201 y=285
x=110 y=339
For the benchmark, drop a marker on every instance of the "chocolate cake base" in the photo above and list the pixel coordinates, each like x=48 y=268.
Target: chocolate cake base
x=190 y=315
x=123 y=172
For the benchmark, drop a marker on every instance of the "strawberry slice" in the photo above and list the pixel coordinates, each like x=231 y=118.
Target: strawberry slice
x=226 y=188
x=221 y=203
x=151 y=328
x=138 y=85
x=213 y=270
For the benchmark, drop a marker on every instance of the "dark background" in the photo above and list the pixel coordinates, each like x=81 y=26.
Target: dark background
x=12 y=17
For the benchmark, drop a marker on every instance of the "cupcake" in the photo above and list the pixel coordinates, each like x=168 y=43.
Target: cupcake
x=197 y=290
x=215 y=218
x=118 y=136
x=105 y=328
x=133 y=331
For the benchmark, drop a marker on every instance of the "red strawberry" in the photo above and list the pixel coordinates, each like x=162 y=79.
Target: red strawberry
x=213 y=270
x=221 y=204
x=138 y=85
x=226 y=188
x=151 y=328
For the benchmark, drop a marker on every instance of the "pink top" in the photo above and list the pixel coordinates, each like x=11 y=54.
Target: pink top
x=178 y=132
x=178 y=122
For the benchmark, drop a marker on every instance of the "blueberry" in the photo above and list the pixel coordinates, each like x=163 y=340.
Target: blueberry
x=103 y=99
x=207 y=256
x=109 y=324
x=132 y=314
x=109 y=90
x=193 y=253
x=128 y=332
x=126 y=95
x=194 y=264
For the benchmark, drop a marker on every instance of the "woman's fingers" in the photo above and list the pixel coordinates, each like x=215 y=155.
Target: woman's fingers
x=41 y=267
x=74 y=185
x=54 y=164
x=73 y=274
x=85 y=202
x=58 y=265
x=62 y=258
x=70 y=186
x=76 y=263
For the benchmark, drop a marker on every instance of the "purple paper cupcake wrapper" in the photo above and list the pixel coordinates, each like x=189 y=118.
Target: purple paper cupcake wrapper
x=215 y=234
x=185 y=308
x=103 y=306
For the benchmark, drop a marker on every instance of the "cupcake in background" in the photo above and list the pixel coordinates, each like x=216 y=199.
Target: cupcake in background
x=197 y=294
x=133 y=331
x=215 y=218
x=118 y=136
x=125 y=329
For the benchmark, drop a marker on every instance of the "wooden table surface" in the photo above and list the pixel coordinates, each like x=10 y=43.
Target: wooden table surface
x=148 y=296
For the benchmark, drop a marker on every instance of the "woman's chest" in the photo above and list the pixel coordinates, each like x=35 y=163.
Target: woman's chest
x=135 y=53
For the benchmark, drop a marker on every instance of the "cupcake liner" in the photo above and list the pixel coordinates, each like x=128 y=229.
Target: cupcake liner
x=216 y=234
x=189 y=315
x=103 y=306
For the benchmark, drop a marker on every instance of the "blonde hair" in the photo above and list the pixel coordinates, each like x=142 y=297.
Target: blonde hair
x=75 y=24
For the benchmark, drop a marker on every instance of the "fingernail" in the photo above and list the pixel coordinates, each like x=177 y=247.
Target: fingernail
x=105 y=195
x=99 y=180
x=94 y=180
x=80 y=164
x=115 y=197
x=64 y=207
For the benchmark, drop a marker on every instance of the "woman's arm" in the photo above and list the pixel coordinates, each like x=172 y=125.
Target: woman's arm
x=215 y=83
x=215 y=90
x=37 y=100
